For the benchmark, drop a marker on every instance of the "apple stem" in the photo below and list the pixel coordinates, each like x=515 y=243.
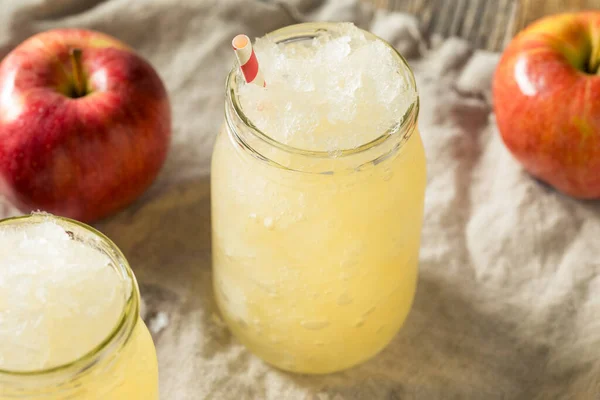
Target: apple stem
x=594 y=62
x=75 y=55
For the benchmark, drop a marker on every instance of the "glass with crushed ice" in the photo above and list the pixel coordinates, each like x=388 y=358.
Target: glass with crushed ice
x=318 y=185
x=69 y=316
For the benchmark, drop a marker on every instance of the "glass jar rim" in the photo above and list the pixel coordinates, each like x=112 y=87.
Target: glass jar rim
x=123 y=327
x=305 y=31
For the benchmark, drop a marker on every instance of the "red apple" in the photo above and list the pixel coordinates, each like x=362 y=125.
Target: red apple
x=547 y=101
x=85 y=124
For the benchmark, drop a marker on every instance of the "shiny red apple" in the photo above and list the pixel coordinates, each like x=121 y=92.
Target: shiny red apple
x=547 y=101
x=85 y=124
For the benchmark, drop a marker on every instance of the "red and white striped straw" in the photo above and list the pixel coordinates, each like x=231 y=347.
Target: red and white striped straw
x=248 y=62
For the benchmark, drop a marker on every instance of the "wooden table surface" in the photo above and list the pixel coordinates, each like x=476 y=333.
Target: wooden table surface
x=487 y=24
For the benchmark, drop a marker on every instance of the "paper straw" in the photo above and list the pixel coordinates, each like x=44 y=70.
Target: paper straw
x=248 y=62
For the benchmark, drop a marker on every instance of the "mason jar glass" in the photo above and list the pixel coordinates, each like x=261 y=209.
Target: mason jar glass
x=122 y=367
x=315 y=253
